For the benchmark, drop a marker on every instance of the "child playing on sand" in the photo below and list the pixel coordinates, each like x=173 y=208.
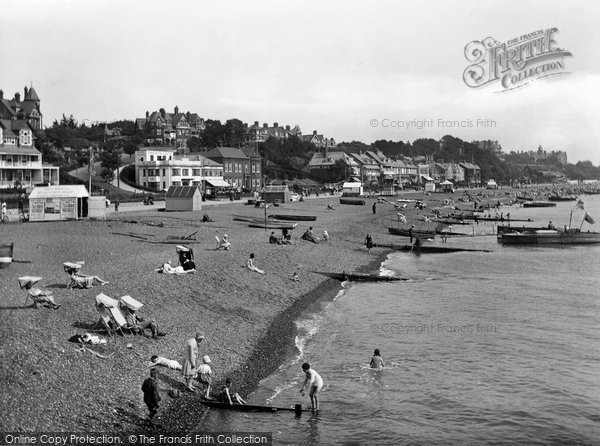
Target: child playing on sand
x=228 y=395
x=205 y=373
x=295 y=276
x=376 y=361
x=159 y=360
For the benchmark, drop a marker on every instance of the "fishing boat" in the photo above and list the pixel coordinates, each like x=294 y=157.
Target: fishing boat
x=538 y=204
x=551 y=237
x=416 y=231
x=293 y=217
x=253 y=407
x=360 y=277
x=6 y=254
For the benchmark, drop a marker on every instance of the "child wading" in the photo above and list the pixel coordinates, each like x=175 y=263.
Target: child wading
x=315 y=384
x=376 y=361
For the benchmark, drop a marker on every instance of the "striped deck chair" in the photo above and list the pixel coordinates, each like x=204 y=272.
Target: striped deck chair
x=110 y=314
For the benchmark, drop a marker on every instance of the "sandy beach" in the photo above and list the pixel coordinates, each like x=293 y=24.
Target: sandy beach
x=49 y=384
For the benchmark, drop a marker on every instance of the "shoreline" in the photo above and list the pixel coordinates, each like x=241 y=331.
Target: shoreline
x=248 y=319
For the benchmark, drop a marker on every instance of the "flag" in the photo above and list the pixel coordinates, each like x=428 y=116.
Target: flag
x=589 y=219
x=579 y=204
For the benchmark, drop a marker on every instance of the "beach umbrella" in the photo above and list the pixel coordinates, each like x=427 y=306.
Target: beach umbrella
x=23 y=281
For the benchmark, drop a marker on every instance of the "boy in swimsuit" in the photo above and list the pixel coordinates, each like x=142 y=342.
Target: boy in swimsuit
x=315 y=383
x=376 y=361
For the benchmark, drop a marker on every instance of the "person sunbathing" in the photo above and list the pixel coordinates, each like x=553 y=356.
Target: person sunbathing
x=223 y=244
x=138 y=324
x=251 y=267
x=167 y=268
x=84 y=282
x=228 y=395
x=159 y=360
x=39 y=296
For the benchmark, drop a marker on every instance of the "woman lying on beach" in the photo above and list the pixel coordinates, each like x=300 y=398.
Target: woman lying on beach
x=85 y=282
x=251 y=267
x=167 y=268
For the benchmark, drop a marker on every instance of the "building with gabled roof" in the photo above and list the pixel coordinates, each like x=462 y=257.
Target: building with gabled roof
x=170 y=128
x=239 y=169
x=27 y=109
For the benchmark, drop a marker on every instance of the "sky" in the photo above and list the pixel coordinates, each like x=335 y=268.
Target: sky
x=352 y=70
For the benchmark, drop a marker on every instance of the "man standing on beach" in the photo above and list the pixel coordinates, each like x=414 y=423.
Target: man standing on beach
x=151 y=395
x=374 y=208
x=190 y=357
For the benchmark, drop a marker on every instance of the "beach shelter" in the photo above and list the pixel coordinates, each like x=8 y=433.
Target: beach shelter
x=53 y=203
x=271 y=194
x=183 y=198
x=447 y=186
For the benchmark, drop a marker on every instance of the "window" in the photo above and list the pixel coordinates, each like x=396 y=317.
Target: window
x=197 y=172
x=151 y=157
x=163 y=174
x=176 y=172
x=185 y=172
x=145 y=173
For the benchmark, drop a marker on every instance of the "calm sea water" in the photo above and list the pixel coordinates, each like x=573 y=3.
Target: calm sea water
x=480 y=348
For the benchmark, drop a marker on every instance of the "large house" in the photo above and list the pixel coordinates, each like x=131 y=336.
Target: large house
x=160 y=168
x=321 y=161
x=239 y=169
x=170 y=128
x=20 y=162
x=472 y=174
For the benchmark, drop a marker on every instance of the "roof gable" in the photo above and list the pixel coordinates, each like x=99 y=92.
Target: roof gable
x=182 y=191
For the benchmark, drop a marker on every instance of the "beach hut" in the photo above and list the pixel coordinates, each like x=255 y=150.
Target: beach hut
x=352 y=189
x=183 y=198
x=272 y=194
x=54 y=203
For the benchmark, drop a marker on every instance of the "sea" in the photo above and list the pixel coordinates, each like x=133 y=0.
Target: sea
x=485 y=348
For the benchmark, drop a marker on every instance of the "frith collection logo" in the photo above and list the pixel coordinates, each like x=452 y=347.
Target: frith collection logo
x=514 y=63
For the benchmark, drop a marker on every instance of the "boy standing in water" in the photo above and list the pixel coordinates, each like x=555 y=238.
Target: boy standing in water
x=315 y=382
x=376 y=361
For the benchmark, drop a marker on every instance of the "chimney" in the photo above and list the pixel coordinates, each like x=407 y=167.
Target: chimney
x=17 y=97
x=162 y=112
x=1 y=95
x=287 y=127
x=187 y=116
x=25 y=92
x=314 y=132
x=256 y=123
x=275 y=124
x=176 y=110
x=265 y=125
x=147 y=114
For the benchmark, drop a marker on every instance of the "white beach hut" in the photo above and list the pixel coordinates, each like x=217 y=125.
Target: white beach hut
x=58 y=203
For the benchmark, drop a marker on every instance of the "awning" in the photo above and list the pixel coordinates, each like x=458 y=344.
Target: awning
x=426 y=178
x=218 y=183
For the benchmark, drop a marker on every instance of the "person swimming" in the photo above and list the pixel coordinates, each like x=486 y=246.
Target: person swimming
x=377 y=361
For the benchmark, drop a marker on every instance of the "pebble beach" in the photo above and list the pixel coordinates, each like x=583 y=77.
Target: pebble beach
x=49 y=383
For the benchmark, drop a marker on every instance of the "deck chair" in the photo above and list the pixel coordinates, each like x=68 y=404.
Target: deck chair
x=72 y=268
x=39 y=297
x=110 y=314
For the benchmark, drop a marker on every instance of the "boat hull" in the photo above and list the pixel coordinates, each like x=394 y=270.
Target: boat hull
x=538 y=204
x=293 y=217
x=551 y=237
x=6 y=255
x=271 y=225
x=250 y=407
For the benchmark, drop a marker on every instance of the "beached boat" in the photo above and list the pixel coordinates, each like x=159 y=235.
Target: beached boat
x=355 y=201
x=293 y=217
x=6 y=254
x=416 y=231
x=361 y=277
x=253 y=407
x=551 y=237
x=428 y=249
x=247 y=218
x=538 y=204
x=555 y=197
x=270 y=224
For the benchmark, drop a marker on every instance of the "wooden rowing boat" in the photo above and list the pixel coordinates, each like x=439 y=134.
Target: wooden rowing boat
x=273 y=225
x=6 y=254
x=355 y=201
x=252 y=407
x=360 y=277
x=538 y=204
x=427 y=249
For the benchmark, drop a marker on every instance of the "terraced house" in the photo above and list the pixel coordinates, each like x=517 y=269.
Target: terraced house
x=20 y=162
